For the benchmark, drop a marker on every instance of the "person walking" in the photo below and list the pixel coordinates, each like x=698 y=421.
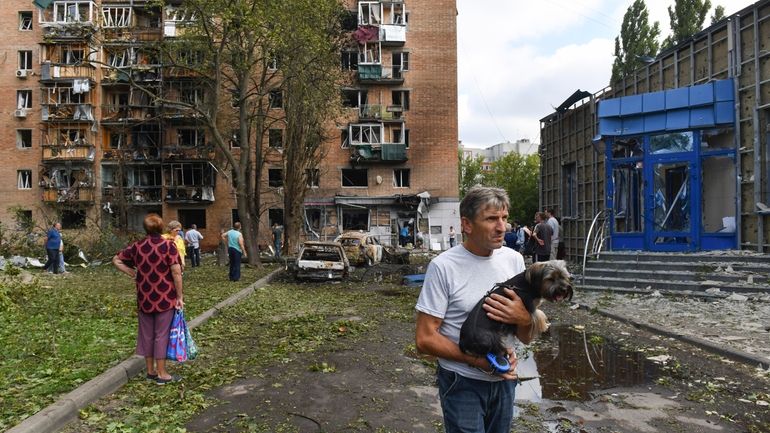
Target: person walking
x=235 y=250
x=553 y=223
x=193 y=238
x=52 y=245
x=172 y=234
x=542 y=235
x=153 y=263
x=452 y=236
x=277 y=236
x=474 y=397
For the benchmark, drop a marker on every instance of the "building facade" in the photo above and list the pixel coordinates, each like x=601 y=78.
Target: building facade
x=84 y=146
x=675 y=156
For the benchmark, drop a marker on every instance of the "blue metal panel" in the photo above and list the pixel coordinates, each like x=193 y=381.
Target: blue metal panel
x=655 y=101
x=655 y=122
x=718 y=242
x=609 y=107
x=633 y=125
x=702 y=94
x=725 y=112
x=724 y=90
x=677 y=119
x=629 y=243
x=630 y=105
x=677 y=98
x=700 y=117
x=610 y=126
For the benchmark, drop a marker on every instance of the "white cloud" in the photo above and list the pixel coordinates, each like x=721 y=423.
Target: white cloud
x=517 y=60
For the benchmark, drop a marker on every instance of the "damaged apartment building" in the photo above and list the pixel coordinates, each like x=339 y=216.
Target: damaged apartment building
x=673 y=157
x=84 y=146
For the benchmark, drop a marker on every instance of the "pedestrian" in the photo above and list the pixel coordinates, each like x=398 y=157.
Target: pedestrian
x=403 y=235
x=172 y=234
x=193 y=238
x=510 y=236
x=222 y=249
x=522 y=236
x=153 y=263
x=553 y=223
x=452 y=236
x=542 y=235
x=235 y=250
x=52 y=244
x=474 y=398
x=277 y=236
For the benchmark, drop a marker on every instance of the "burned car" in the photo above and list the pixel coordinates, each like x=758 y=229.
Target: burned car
x=361 y=248
x=321 y=261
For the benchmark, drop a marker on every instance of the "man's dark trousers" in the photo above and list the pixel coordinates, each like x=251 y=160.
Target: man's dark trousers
x=235 y=263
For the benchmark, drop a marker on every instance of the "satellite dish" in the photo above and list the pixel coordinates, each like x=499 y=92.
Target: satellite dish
x=379 y=179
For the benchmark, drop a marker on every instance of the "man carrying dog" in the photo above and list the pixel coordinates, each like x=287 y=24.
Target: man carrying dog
x=473 y=397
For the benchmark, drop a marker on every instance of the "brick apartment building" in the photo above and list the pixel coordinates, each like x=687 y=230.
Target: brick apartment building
x=75 y=126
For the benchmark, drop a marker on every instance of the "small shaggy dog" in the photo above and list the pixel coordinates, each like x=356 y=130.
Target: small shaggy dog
x=482 y=336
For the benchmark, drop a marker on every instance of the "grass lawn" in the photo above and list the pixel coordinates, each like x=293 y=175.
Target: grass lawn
x=61 y=331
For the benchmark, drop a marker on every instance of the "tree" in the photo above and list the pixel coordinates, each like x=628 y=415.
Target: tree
x=686 y=18
x=311 y=78
x=718 y=15
x=518 y=175
x=471 y=173
x=637 y=42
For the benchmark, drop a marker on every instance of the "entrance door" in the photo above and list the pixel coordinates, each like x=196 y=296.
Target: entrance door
x=672 y=186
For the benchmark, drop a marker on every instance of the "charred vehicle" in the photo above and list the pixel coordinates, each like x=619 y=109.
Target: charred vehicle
x=361 y=248
x=321 y=261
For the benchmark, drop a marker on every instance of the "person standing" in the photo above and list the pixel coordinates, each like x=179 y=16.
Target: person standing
x=542 y=235
x=153 y=263
x=235 y=250
x=403 y=235
x=510 y=236
x=277 y=236
x=172 y=234
x=474 y=398
x=452 y=236
x=553 y=223
x=193 y=238
x=52 y=244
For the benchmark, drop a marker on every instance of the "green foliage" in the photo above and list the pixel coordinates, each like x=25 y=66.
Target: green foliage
x=718 y=15
x=637 y=40
x=686 y=19
x=470 y=173
x=66 y=330
x=518 y=175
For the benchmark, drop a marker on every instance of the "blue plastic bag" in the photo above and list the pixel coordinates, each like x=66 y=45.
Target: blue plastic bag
x=177 y=338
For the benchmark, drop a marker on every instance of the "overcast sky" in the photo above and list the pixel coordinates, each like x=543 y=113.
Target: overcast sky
x=519 y=59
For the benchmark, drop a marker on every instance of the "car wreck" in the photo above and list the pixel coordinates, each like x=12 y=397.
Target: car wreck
x=321 y=261
x=362 y=248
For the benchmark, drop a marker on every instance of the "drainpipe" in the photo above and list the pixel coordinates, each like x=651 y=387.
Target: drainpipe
x=733 y=58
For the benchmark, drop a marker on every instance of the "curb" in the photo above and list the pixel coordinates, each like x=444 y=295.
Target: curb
x=734 y=354
x=66 y=408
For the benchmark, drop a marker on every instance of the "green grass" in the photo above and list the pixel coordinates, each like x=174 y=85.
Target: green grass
x=61 y=331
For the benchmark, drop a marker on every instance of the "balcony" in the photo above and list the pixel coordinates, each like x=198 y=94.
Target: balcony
x=378 y=74
x=203 y=194
x=183 y=153
x=53 y=71
x=130 y=154
x=113 y=113
x=69 y=113
x=132 y=34
x=71 y=195
x=57 y=153
x=389 y=153
x=70 y=19
x=136 y=195
x=393 y=34
x=376 y=112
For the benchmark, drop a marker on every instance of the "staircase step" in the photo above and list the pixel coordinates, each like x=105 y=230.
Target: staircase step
x=651 y=273
x=719 y=257
x=657 y=284
x=696 y=267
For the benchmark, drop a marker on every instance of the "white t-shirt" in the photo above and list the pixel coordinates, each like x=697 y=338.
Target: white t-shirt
x=455 y=282
x=193 y=237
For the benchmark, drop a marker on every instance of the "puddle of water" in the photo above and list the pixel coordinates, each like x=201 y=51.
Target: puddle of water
x=566 y=371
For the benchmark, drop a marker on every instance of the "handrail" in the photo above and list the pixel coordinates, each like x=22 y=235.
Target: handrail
x=598 y=242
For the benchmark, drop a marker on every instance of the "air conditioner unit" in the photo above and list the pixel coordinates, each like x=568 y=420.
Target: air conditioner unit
x=22 y=73
x=20 y=113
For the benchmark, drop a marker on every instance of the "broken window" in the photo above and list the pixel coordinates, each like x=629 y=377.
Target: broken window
x=717 y=139
x=630 y=147
x=190 y=174
x=25 y=60
x=353 y=98
x=401 y=178
x=344 y=139
x=349 y=60
x=275 y=216
x=116 y=17
x=401 y=99
x=400 y=63
x=119 y=58
x=275 y=99
x=355 y=177
x=366 y=134
x=401 y=136
x=670 y=143
x=569 y=190
x=23 y=99
x=313 y=177
x=24 y=179
x=275 y=138
x=355 y=219
x=25 y=20
x=718 y=188
x=72 y=11
x=369 y=13
x=190 y=137
x=275 y=177
x=188 y=217
x=628 y=197
x=73 y=219
x=349 y=20
x=370 y=53
x=190 y=93
x=23 y=138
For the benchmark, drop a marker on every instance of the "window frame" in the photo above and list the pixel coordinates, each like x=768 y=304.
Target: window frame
x=272 y=182
x=20 y=138
x=399 y=178
x=23 y=21
x=27 y=103
x=271 y=132
x=24 y=179
x=342 y=177
x=25 y=60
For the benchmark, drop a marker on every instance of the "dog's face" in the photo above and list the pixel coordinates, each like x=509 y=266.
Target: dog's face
x=553 y=279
